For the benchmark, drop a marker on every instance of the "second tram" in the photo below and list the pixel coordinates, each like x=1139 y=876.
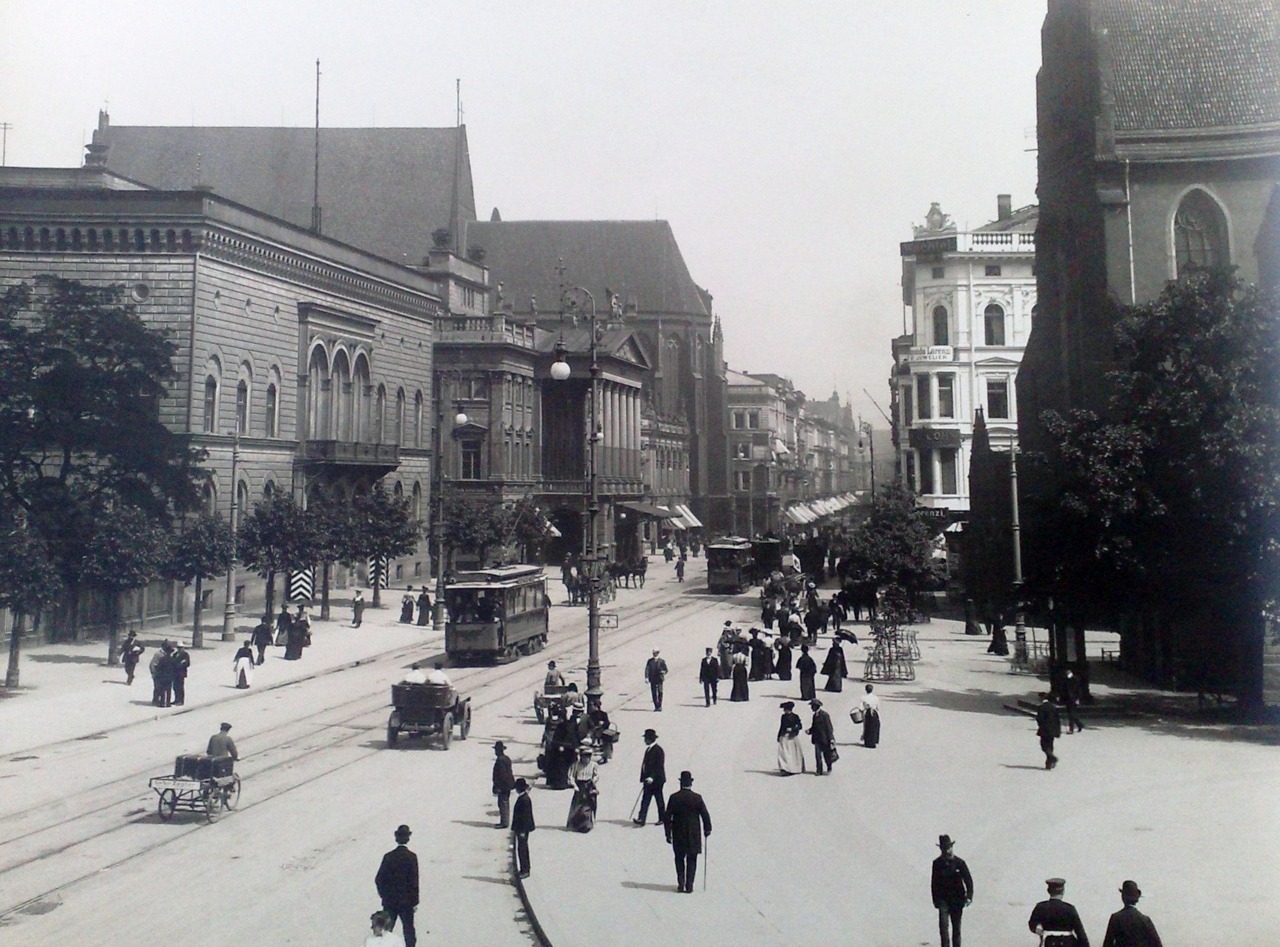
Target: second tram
x=496 y=614
x=729 y=564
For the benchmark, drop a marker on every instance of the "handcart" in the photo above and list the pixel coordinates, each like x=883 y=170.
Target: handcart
x=199 y=784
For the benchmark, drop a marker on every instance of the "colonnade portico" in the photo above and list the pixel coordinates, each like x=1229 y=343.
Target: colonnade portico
x=620 y=430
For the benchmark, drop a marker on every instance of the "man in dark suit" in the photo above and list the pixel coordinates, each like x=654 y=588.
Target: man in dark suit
x=686 y=823
x=709 y=674
x=952 y=890
x=823 y=734
x=1057 y=920
x=653 y=774
x=397 y=882
x=1129 y=927
x=503 y=782
x=655 y=672
x=522 y=825
x=1048 y=728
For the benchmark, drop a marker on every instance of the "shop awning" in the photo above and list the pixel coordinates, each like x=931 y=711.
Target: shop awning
x=687 y=515
x=675 y=523
x=648 y=509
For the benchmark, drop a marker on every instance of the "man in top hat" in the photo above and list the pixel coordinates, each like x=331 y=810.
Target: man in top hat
x=686 y=822
x=1129 y=927
x=709 y=675
x=1056 y=920
x=397 y=882
x=503 y=782
x=655 y=672
x=221 y=744
x=823 y=734
x=952 y=889
x=653 y=774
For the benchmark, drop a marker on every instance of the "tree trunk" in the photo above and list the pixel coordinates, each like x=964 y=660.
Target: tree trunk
x=197 y=629
x=113 y=631
x=376 y=602
x=324 y=591
x=270 y=607
x=15 y=648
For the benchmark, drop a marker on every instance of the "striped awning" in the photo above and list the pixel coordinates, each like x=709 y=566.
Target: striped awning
x=686 y=514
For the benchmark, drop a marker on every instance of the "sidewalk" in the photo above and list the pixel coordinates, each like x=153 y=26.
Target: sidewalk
x=68 y=692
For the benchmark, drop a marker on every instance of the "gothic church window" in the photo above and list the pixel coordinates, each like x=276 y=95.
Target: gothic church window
x=1199 y=233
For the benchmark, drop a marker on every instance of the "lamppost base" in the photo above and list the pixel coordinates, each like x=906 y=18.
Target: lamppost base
x=229 y=626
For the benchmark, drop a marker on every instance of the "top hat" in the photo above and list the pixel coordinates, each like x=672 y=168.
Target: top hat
x=1130 y=890
x=944 y=842
x=686 y=778
x=651 y=733
x=403 y=833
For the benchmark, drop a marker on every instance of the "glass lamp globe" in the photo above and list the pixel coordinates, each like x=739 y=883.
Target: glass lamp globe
x=460 y=419
x=559 y=370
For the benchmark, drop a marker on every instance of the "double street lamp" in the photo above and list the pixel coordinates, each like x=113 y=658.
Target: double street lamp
x=560 y=371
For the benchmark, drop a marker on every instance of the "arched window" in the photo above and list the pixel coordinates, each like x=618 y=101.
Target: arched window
x=242 y=499
x=210 y=404
x=941 y=335
x=209 y=498
x=1199 y=233
x=342 y=397
x=242 y=407
x=417 y=500
x=993 y=325
x=318 y=396
x=361 y=391
x=398 y=423
x=380 y=415
x=417 y=419
x=271 y=427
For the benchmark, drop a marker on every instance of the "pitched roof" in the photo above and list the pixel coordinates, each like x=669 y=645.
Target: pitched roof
x=637 y=259
x=1022 y=220
x=1188 y=64
x=383 y=190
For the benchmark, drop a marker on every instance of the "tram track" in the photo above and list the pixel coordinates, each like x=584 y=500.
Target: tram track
x=642 y=619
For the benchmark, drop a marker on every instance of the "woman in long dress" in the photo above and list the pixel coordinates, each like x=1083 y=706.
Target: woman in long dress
x=583 y=775
x=808 y=671
x=782 y=665
x=739 y=665
x=870 y=719
x=835 y=668
x=242 y=665
x=790 y=750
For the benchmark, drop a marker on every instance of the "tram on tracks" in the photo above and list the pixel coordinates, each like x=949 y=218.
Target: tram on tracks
x=495 y=615
x=730 y=565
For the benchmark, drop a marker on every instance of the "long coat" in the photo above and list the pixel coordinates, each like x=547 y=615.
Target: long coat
x=654 y=765
x=822 y=731
x=1129 y=927
x=808 y=670
x=687 y=821
x=397 y=878
x=522 y=815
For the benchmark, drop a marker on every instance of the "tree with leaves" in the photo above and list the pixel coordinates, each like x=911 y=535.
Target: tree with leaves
x=128 y=549
x=382 y=528
x=204 y=548
x=81 y=380
x=28 y=582
x=526 y=527
x=331 y=523
x=474 y=524
x=1169 y=501
x=276 y=536
x=894 y=545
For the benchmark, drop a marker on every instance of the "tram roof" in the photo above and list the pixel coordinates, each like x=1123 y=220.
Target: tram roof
x=730 y=542
x=501 y=576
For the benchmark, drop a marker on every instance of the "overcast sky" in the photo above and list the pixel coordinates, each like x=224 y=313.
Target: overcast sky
x=790 y=144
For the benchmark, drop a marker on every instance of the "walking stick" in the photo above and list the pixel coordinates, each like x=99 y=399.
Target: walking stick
x=635 y=804
x=706 y=860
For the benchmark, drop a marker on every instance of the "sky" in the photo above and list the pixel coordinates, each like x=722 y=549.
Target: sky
x=791 y=145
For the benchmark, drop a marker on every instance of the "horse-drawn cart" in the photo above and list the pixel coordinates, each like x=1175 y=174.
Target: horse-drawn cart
x=428 y=710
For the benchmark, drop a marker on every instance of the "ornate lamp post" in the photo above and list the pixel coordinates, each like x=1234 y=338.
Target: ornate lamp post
x=437 y=525
x=229 y=608
x=1020 y=657
x=560 y=371
x=865 y=436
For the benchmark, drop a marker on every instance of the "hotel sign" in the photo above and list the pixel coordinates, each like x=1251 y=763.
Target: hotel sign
x=927 y=438
x=933 y=353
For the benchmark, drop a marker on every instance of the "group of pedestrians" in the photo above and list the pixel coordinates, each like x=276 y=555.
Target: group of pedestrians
x=169 y=666
x=407 y=603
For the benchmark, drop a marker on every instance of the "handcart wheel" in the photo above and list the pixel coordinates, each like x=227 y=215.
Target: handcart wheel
x=393 y=728
x=210 y=796
x=446 y=731
x=466 y=723
x=168 y=805
x=231 y=793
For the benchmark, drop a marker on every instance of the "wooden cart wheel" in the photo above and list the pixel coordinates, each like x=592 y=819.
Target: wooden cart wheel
x=393 y=728
x=446 y=731
x=465 y=728
x=231 y=793
x=168 y=805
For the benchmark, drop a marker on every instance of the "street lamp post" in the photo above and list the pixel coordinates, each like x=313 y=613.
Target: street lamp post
x=864 y=430
x=1020 y=617
x=437 y=527
x=560 y=372
x=229 y=607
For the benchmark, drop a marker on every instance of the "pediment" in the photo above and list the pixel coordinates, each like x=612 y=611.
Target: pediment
x=996 y=361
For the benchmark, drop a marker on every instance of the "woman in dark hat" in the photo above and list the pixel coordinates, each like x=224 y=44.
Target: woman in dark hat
x=790 y=750
x=782 y=664
x=835 y=668
x=583 y=775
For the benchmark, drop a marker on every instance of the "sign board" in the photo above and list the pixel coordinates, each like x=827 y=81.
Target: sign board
x=609 y=620
x=933 y=353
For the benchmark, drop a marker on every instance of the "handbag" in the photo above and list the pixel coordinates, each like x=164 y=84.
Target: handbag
x=835 y=755
x=856 y=715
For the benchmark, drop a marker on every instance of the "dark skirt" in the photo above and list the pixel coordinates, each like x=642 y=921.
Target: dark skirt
x=406 y=612
x=582 y=811
x=835 y=683
x=783 y=665
x=807 y=690
x=871 y=730
x=740 y=690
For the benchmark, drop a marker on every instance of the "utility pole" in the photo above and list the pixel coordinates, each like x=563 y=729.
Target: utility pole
x=229 y=607
x=4 y=143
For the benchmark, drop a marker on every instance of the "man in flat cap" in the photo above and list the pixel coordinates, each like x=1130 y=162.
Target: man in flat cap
x=221 y=744
x=1129 y=927
x=1056 y=920
x=397 y=882
x=686 y=823
x=952 y=889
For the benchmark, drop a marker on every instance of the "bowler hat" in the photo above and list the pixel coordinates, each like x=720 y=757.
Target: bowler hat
x=651 y=733
x=1130 y=889
x=499 y=746
x=728 y=624
x=944 y=842
x=522 y=784
x=403 y=833
x=815 y=703
x=686 y=778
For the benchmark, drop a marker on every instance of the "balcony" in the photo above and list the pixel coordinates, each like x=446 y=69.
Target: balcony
x=351 y=454
x=1004 y=241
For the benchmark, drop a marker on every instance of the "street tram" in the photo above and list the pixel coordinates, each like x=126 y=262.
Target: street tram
x=496 y=615
x=729 y=564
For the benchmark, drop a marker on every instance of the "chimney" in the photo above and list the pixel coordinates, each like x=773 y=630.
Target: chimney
x=1004 y=206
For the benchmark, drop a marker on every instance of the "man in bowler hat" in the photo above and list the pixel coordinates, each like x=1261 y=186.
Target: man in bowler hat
x=1129 y=927
x=952 y=889
x=1056 y=920
x=653 y=774
x=1048 y=728
x=397 y=882
x=686 y=823
x=503 y=782
x=522 y=825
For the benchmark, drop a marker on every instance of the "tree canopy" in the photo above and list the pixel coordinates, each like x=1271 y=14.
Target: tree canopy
x=894 y=545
